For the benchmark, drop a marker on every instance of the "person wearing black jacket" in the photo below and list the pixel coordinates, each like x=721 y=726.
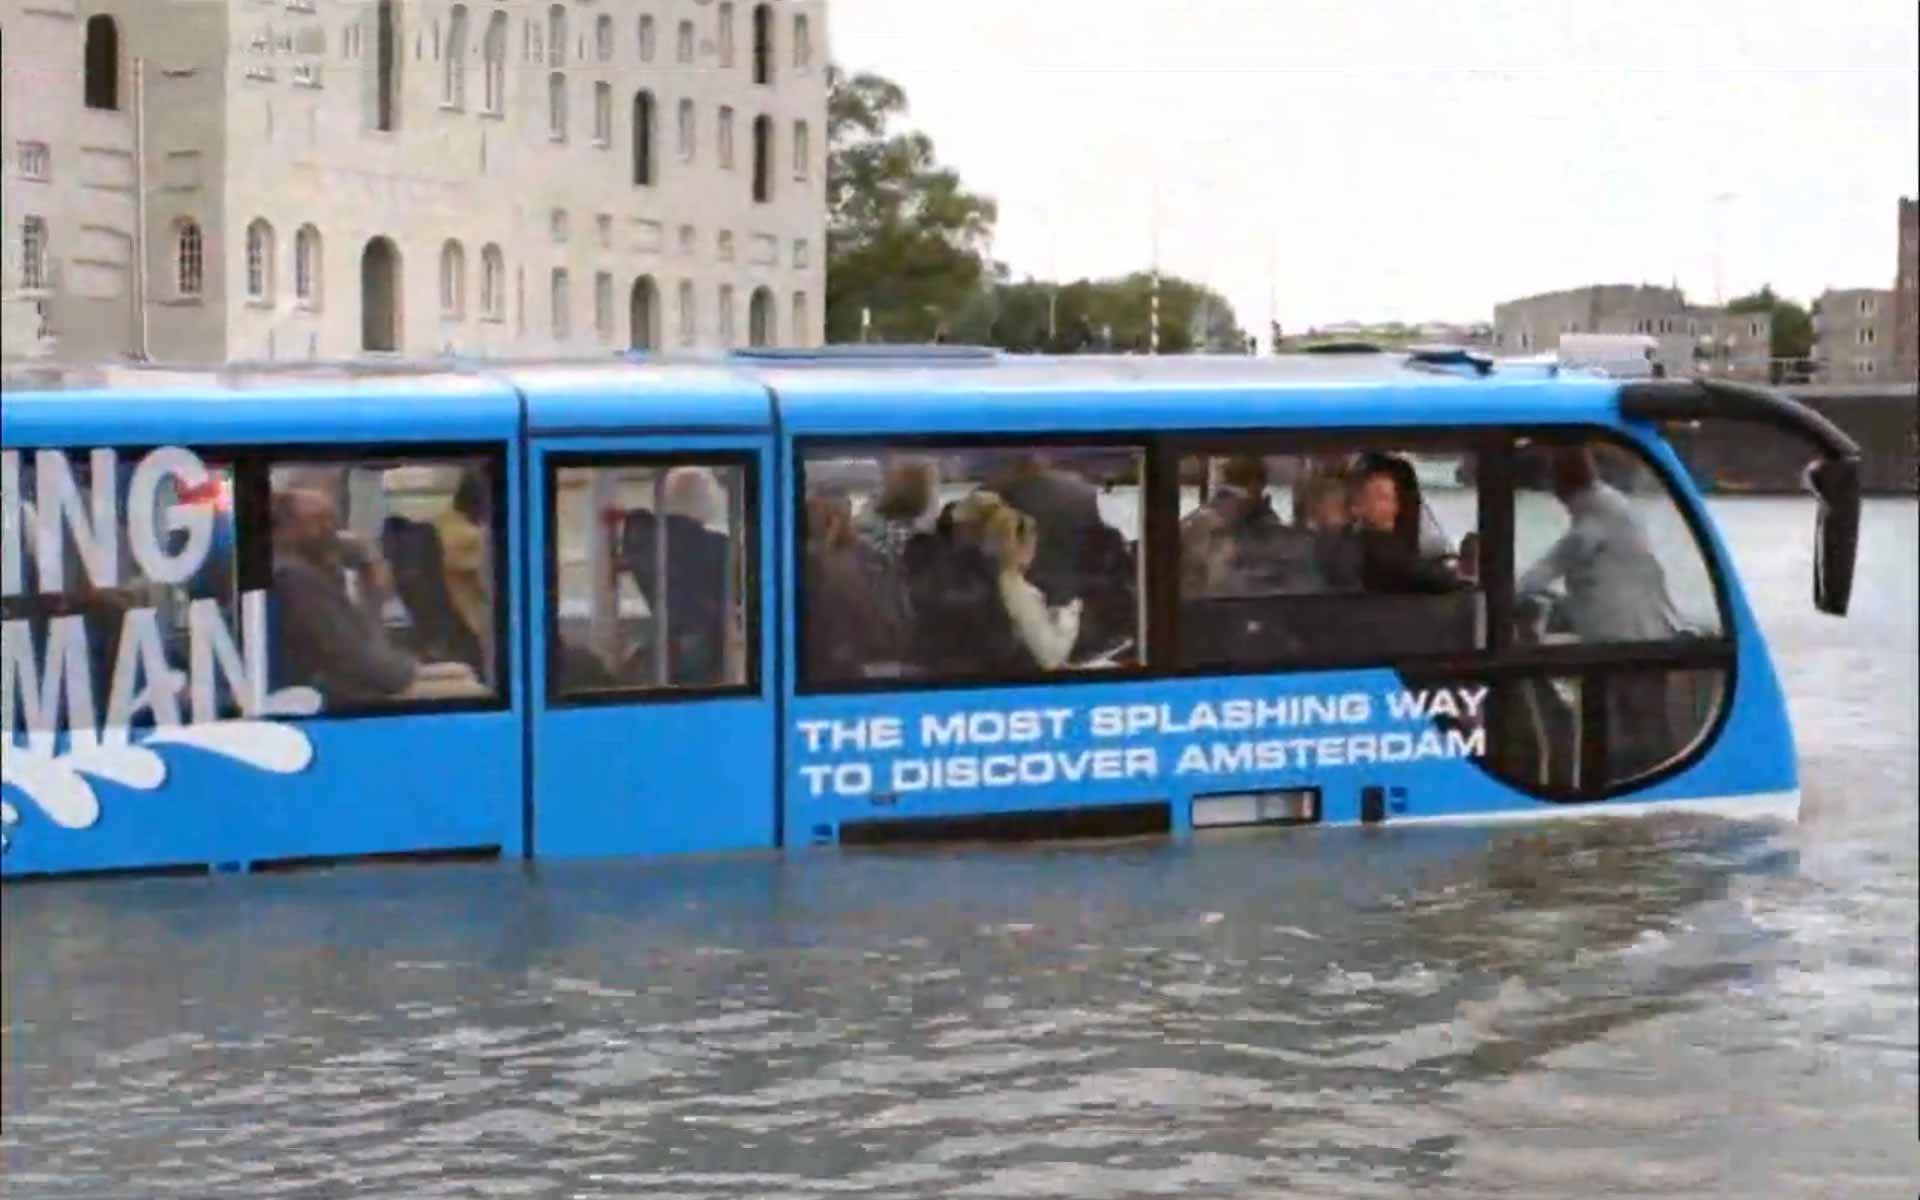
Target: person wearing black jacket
x=1390 y=558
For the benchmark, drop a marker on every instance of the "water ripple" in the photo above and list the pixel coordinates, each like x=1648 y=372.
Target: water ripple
x=1659 y=1008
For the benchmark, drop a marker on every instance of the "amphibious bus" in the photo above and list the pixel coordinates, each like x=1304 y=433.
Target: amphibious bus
x=266 y=616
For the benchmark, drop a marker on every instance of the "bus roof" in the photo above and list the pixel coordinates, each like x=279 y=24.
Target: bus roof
x=829 y=391
x=241 y=405
x=1088 y=394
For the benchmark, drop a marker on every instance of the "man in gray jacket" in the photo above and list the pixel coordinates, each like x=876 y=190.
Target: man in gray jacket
x=326 y=641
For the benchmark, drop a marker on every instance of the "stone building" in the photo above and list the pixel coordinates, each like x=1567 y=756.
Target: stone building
x=1853 y=334
x=229 y=180
x=1906 y=294
x=1689 y=338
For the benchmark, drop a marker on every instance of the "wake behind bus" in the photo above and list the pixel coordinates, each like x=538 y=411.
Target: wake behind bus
x=269 y=616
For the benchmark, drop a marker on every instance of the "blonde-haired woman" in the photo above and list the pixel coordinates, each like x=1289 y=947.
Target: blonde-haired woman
x=1010 y=539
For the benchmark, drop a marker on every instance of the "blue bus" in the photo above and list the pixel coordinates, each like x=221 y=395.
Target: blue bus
x=270 y=616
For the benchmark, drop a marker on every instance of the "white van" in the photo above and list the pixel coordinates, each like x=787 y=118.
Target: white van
x=1617 y=355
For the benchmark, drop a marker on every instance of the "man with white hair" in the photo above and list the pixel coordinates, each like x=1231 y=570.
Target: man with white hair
x=695 y=493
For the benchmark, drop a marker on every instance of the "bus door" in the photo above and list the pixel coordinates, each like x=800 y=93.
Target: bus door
x=653 y=718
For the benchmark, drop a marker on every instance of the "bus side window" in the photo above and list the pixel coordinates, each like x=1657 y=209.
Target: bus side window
x=1603 y=555
x=102 y=581
x=654 y=574
x=385 y=579
x=1339 y=553
x=1000 y=561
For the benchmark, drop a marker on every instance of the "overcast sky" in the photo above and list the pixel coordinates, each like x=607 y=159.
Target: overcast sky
x=1412 y=160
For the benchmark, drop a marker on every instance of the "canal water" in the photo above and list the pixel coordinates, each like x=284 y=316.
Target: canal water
x=1663 y=1008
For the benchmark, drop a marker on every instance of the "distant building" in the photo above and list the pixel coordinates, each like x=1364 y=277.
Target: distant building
x=224 y=180
x=1854 y=335
x=1393 y=334
x=1691 y=339
x=1906 y=294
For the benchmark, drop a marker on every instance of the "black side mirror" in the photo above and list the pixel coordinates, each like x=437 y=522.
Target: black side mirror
x=1835 y=484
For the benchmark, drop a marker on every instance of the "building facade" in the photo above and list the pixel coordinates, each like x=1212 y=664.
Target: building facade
x=1854 y=335
x=1906 y=294
x=234 y=180
x=1690 y=339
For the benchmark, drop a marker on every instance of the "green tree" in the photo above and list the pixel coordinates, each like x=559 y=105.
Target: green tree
x=1792 y=326
x=905 y=240
x=1792 y=331
x=1761 y=301
x=1100 y=315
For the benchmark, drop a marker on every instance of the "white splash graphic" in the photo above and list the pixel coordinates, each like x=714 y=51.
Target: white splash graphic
x=47 y=687
x=59 y=784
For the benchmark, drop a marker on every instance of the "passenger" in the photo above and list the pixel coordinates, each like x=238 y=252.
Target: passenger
x=325 y=640
x=695 y=588
x=964 y=521
x=897 y=516
x=907 y=492
x=840 y=612
x=1320 y=506
x=1204 y=532
x=960 y=625
x=1390 y=558
x=1011 y=539
x=1066 y=509
x=1616 y=590
x=466 y=544
x=1413 y=521
x=1248 y=549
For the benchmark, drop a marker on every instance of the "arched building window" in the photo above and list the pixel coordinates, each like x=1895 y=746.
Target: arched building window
x=602 y=113
x=603 y=306
x=762 y=159
x=453 y=279
x=562 y=306
x=453 y=90
x=687 y=132
x=259 y=260
x=306 y=267
x=646 y=37
x=33 y=253
x=557 y=106
x=798 y=331
x=556 y=35
x=380 y=296
x=643 y=314
x=496 y=63
x=687 y=320
x=802 y=43
x=102 y=63
x=763 y=43
x=189 y=260
x=493 y=283
x=603 y=38
x=760 y=326
x=386 y=82
x=643 y=138
x=724 y=33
